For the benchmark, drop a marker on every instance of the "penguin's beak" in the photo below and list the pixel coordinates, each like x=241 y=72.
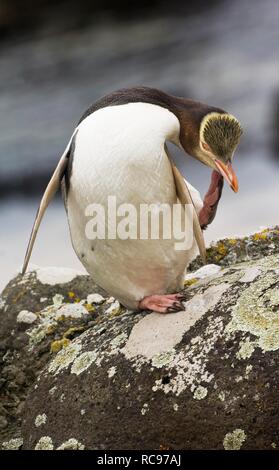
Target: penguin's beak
x=228 y=173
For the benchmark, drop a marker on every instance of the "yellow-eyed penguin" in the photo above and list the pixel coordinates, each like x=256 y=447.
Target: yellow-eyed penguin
x=119 y=150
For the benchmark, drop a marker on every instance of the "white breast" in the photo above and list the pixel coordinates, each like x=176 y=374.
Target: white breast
x=117 y=144
x=119 y=151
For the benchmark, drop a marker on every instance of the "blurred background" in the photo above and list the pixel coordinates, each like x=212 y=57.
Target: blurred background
x=57 y=57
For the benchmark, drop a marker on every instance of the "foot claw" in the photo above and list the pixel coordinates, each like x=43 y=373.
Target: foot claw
x=171 y=310
x=176 y=307
x=182 y=297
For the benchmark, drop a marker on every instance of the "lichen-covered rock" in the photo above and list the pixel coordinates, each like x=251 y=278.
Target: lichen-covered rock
x=203 y=378
x=41 y=312
x=236 y=250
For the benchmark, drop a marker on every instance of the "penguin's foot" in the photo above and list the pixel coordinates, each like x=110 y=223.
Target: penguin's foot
x=163 y=303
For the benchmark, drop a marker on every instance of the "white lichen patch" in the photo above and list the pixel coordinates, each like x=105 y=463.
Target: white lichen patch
x=200 y=393
x=48 y=319
x=238 y=378
x=222 y=396
x=190 y=364
x=118 y=341
x=257 y=311
x=64 y=358
x=53 y=390
x=12 y=444
x=144 y=409
x=111 y=371
x=95 y=299
x=196 y=339
x=113 y=309
x=76 y=310
x=156 y=334
x=248 y=369
x=273 y=445
x=62 y=397
x=163 y=359
x=26 y=317
x=82 y=412
x=234 y=440
x=71 y=444
x=56 y=275
x=250 y=274
x=44 y=443
x=246 y=349
x=57 y=300
x=38 y=333
x=175 y=407
x=83 y=361
x=40 y=419
x=2 y=303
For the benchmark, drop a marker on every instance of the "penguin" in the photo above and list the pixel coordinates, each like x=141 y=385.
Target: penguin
x=119 y=150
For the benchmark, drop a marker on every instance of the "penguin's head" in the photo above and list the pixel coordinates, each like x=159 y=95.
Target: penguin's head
x=219 y=135
x=211 y=135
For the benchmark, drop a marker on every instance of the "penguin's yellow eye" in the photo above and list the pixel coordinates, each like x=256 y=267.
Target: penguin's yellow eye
x=206 y=147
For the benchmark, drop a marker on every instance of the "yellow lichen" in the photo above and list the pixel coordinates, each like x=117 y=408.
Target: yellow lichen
x=71 y=331
x=190 y=282
x=51 y=329
x=61 y=318
x=89 y=308
x=71 y=294
x=59 y=344
x=221 y=248
x=259 y=236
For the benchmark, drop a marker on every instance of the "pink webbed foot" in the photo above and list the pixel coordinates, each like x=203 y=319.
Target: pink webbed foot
x=163 y=303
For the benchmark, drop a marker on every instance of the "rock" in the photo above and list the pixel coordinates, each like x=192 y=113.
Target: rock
x=114 y=308
x=26 y=317
x=202 y=378
x=3 y=422
x=169 y=379
x=40 y=312
x=203 y=272
x=236 y=250
x=95 y=299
